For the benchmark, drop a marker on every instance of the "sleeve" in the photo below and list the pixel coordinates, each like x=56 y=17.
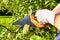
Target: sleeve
x=57 y=36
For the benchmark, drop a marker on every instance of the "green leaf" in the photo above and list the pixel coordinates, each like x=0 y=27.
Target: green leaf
x=35 y=37
x=25 y=29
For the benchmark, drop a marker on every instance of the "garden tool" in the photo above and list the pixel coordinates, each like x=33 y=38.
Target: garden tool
x=30 y=20
x=39 y=18
x=23 y=21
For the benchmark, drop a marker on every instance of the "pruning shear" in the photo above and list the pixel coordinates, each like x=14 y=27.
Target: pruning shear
x=30 y=20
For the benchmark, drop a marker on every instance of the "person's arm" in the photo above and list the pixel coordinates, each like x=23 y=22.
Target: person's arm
x=57 y=21
x=57 y=16
x=57 y=9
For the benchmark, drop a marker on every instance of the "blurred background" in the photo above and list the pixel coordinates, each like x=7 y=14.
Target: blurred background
x=12 y=10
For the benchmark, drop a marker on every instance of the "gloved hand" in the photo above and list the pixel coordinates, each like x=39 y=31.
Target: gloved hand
x=43 y=17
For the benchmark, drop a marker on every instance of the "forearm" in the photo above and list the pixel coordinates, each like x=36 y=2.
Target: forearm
x=57 y=9
x=57 y=22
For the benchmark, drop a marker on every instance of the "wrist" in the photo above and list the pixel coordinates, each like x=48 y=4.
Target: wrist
x=57 y=21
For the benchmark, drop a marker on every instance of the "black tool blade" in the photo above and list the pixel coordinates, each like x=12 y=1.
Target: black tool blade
x=25 y=20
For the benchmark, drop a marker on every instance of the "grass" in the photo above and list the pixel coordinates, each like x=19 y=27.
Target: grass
x=5 y=20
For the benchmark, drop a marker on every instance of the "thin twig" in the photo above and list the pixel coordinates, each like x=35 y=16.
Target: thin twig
x=7 y=28
x=15 y=34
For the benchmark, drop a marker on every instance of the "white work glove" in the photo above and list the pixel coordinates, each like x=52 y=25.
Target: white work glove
x=45 y=16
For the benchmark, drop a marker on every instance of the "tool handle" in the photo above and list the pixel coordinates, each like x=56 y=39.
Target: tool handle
x=36 y=23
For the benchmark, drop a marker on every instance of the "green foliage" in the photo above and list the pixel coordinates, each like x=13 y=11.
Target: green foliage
x=25 y=29
x=35 y=37
x=19 y=9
